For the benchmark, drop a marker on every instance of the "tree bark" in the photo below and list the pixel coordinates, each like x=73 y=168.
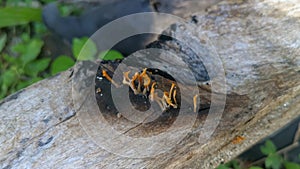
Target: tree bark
x=257 y=43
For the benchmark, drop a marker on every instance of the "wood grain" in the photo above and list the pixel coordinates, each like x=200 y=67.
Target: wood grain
x=258 y=44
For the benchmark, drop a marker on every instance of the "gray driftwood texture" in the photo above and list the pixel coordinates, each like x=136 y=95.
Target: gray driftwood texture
x=258 y=42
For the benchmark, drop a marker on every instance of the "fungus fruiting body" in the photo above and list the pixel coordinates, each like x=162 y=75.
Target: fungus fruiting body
x=144 y=83
x=104 y=74
x=238 y=139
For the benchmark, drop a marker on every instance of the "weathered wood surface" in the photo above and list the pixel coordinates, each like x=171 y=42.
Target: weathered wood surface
x=258 y=43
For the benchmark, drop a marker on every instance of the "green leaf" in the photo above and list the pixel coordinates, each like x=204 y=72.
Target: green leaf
x=273 y=161
x=2 y=42
x=110 y=55
x=2 y=94
x=291 y=165
x=8 y=77
x=39 y=28
x=25 y=37
x=18 y=48
x=34 y=68
x=84 y=49
x=65 y=10
x=11 y=16
x=68 y=9
x=29 y=52
x=9 y=59
x=268 y=148
x=222 y=166
x=235 y=164
x=47 y=1
x=255 y=167
x=61 y=63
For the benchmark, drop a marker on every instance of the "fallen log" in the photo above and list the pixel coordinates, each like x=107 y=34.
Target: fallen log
x=257 y=42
